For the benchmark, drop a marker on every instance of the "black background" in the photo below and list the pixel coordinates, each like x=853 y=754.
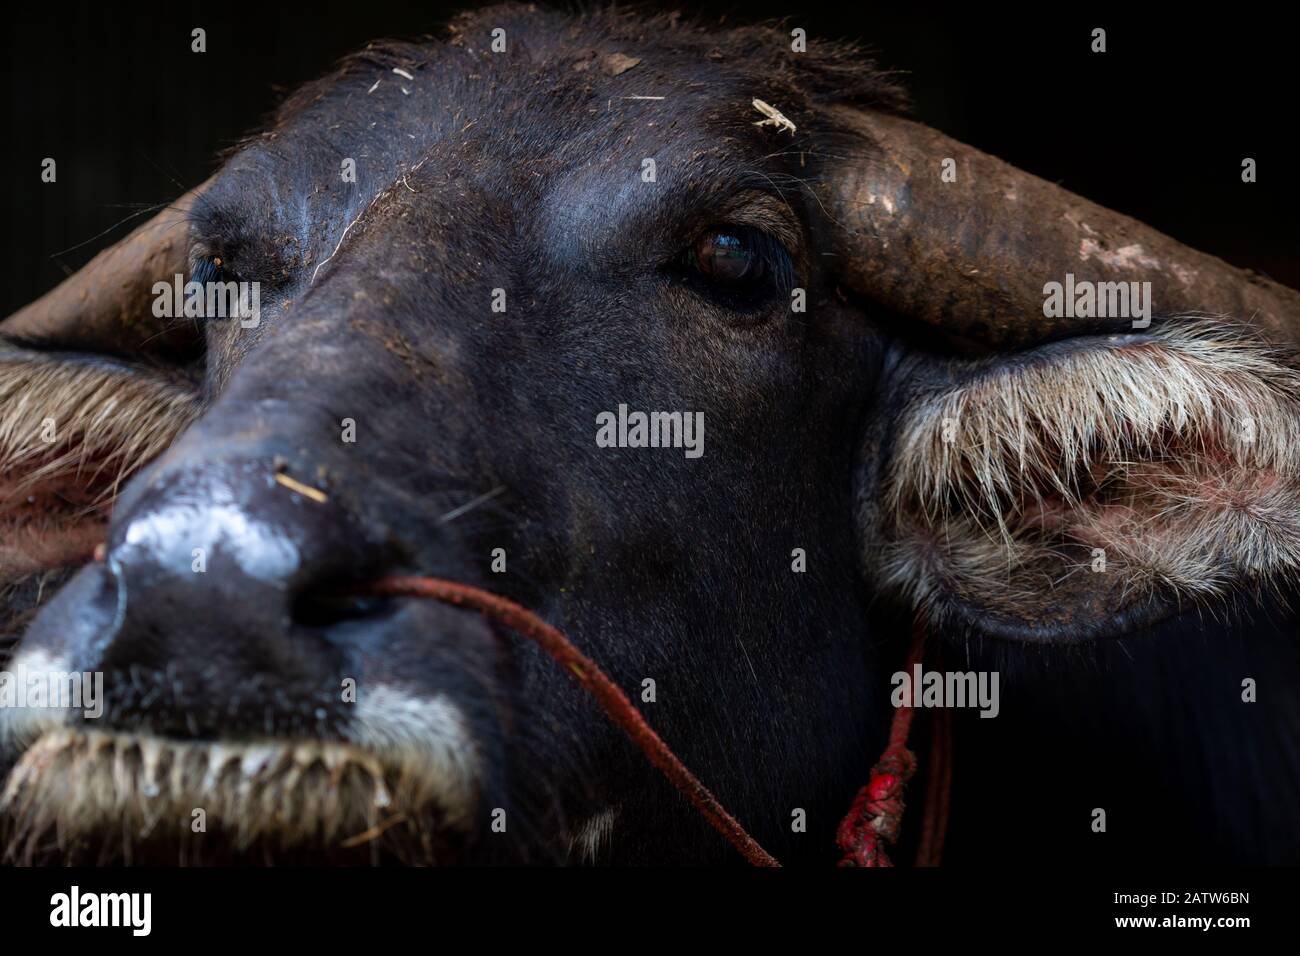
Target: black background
x=1155 y=127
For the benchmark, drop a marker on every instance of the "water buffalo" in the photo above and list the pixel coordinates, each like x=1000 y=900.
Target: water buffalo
x=690 y=341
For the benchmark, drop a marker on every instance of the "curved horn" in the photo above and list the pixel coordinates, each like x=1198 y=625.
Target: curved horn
x=106 y=305
x=972 y=256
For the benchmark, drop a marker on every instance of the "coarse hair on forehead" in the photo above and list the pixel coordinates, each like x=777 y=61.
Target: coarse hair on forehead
x=823 y=70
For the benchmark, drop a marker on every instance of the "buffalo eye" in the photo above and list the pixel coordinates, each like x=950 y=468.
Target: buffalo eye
x=728 y=257
x=739 y=265
x=208 y=269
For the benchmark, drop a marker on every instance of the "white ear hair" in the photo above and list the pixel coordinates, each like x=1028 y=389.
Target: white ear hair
x=60 y=417
x=1177 y=455
x=71 y=430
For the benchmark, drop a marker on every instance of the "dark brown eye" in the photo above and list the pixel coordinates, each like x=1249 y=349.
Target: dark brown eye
x=738 y=267
x=729 y=256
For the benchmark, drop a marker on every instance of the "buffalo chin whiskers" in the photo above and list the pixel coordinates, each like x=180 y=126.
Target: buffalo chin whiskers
x=76 y=785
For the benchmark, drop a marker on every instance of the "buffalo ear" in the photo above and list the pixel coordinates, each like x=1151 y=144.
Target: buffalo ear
x=1093 y=490
x=72 y=429
x=106 y=306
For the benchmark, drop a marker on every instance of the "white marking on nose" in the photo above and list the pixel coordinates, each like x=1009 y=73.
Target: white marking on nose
x=208 y=515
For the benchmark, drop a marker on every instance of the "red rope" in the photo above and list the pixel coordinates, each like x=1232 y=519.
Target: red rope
x=614 y=702
x=876 y=814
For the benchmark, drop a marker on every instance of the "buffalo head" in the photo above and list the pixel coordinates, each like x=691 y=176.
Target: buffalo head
x=695 y=346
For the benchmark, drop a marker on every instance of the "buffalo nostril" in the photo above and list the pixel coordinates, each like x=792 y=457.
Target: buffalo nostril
x=228 y=571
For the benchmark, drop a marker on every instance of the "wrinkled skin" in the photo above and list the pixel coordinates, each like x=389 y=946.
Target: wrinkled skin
x=503 y=172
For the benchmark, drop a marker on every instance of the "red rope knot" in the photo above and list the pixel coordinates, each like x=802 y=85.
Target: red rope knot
x=876 y=815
